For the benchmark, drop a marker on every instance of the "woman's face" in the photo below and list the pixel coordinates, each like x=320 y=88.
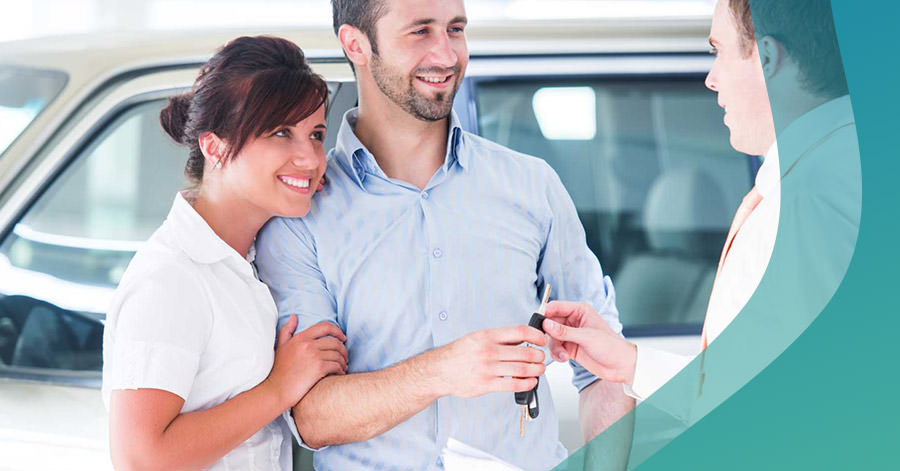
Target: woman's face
x=280 y=171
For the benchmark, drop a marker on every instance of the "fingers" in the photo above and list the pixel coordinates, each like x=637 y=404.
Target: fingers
x=519 y=353
x=517 y=334
x=567 y=333
x=323 y=329
x=513 y=384
x=333 y=356
x=287 y=330
x=558 y=351
x=567 y=312
x=333 y=368
x=332 y=344
x=518 y=369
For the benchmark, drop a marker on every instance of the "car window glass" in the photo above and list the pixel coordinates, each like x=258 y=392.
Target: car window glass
x=23 y=94
x=649 y=167
x=65 y=257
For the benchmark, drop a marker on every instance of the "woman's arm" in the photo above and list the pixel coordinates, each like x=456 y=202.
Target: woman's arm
x=148 y=432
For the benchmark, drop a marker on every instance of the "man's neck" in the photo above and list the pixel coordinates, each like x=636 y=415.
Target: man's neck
x=406 y=148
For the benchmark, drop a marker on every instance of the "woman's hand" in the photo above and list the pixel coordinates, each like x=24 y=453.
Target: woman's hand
x=302 y=360
x=577 y=332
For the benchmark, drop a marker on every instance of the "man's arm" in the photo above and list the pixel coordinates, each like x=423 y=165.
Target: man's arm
x=357 y=407
x=600 y=405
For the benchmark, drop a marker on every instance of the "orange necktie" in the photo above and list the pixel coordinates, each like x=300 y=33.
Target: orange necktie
x=750 y=202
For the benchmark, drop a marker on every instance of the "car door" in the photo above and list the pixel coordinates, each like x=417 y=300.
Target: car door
x=639 y=143
x=69 y=225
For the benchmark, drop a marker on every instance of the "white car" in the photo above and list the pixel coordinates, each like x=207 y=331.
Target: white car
x=618 y=108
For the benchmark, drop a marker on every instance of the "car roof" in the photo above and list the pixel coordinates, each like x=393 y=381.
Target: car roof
x=524 y=37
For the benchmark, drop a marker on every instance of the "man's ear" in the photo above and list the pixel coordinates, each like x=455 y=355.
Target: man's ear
x=771 y=55
x=213 y=148
x=356 y=45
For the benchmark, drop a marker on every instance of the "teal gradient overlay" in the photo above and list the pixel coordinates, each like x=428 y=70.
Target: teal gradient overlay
x=830 y=400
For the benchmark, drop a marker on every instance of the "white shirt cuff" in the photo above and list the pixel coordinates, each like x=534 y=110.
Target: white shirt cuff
x=653 y=369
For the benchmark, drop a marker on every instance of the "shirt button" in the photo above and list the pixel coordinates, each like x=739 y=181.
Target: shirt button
x=437 y=253
x=443 y=315
x=424 y=195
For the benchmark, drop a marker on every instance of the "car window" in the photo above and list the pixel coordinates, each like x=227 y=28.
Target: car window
x=23 y=94
x=649 y=167
x=64 y=258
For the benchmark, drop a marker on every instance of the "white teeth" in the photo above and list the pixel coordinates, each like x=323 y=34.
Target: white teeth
x=304 y=183
x=434 y=80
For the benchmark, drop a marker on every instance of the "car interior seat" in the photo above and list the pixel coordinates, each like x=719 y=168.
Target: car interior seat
x=686 y=220
x=54 y=338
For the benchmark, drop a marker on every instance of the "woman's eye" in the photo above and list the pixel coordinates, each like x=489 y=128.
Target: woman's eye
x=318 y=136
x=281 y=133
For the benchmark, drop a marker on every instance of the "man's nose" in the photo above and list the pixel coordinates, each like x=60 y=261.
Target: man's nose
x=442 y=52
x=711 y=82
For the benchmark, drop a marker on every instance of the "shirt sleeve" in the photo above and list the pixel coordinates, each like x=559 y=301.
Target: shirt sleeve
x=159 y=327
x=287 y=263
x=571 y=267
x=653 y=369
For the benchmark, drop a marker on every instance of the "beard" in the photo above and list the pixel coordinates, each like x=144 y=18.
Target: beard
x=402 y=91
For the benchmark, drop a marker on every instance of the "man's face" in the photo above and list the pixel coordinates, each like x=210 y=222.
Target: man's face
x=422 y=55
x=738 y=78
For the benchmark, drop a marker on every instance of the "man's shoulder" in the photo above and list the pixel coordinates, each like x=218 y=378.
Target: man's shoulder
x=489 y=153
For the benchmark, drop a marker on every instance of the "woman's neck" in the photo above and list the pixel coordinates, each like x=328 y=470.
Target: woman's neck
x=234 y=220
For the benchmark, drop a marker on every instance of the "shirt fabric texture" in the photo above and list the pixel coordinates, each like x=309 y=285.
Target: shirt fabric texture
x=403 y=270
x=190 y=317
x=823 y=132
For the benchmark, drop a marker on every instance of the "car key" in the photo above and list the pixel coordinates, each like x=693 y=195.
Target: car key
x=528 y=400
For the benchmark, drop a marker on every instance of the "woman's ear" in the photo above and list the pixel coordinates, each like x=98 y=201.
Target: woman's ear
x=356 y=45
x=213 y=148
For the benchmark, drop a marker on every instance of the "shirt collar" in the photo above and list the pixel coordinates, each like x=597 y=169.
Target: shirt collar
x=194 y=235
x=353 y=155
x=768 y=178
x=807 y=130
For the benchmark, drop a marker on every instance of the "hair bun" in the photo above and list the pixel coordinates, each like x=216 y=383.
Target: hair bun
x=174 y=116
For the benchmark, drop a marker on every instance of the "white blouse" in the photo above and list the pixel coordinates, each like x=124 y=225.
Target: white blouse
x=190 y=317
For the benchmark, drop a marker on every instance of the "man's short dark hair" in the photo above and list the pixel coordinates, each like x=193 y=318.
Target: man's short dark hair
x=805 y=28
x=361 y=14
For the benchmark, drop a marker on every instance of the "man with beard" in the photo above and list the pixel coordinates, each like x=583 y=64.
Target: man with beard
x=429 y=247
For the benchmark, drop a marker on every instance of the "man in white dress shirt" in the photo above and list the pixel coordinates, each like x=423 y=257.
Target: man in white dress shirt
x=794 y=51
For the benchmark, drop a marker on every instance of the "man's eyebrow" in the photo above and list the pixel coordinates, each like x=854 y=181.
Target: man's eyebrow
x=420 y=22
x=431 y=21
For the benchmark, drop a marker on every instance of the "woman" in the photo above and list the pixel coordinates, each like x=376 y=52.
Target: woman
x=190 y=376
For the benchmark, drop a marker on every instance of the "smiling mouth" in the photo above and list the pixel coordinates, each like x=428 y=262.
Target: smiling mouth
x=434 y=80
x=298 y=183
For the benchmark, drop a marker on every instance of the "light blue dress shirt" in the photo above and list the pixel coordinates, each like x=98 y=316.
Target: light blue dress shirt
x=403 y=270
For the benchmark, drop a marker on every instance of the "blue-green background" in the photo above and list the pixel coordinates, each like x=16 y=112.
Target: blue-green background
x=830 y=401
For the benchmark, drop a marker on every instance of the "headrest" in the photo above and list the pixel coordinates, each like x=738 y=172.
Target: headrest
x=686 y=212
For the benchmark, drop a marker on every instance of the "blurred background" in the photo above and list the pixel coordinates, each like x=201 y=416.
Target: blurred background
x=609 y=93
x=22 y=19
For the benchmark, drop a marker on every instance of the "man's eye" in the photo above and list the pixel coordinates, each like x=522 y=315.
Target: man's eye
x=457 y=29
x=420 y=32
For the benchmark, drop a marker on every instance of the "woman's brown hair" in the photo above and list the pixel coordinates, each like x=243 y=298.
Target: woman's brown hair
x=252 y=86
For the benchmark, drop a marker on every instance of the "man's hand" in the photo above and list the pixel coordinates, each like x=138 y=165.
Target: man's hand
x=489 y=361
x=577 y=332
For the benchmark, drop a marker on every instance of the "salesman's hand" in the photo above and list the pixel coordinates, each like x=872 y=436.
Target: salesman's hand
x=489 y=361
x=577 y=332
